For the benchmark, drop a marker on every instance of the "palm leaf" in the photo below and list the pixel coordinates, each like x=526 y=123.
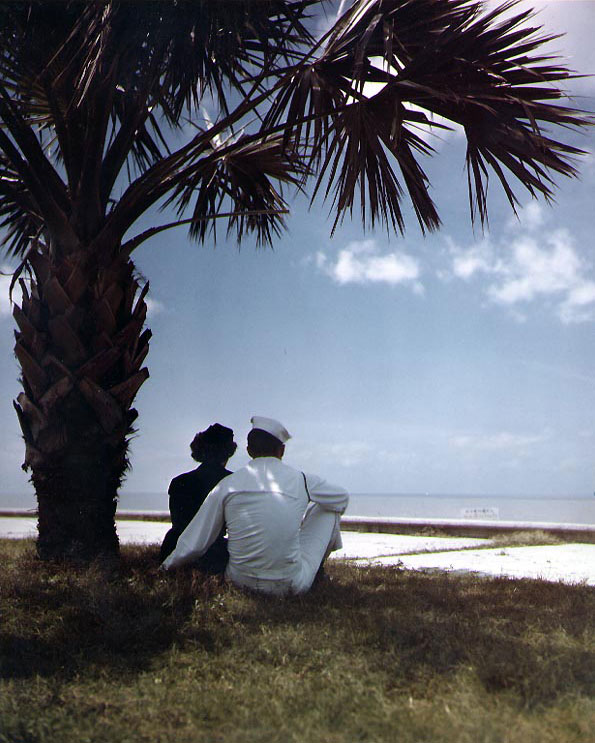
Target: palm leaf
x=446 y=57
x=19 y=219
x=241 y=174
x=94 y=90
x=106 y=82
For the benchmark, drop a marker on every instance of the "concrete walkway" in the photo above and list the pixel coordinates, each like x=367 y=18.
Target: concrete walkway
x=569 y=563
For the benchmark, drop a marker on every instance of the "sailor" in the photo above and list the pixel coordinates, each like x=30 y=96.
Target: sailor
x=281 y=523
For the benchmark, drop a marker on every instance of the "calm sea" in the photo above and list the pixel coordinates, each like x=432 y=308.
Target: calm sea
x=569 y=510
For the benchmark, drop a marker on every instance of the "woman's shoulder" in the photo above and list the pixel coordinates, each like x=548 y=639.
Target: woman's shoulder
x=181 y=482
x=210 y=474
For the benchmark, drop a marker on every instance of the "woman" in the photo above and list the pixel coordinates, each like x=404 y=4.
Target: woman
x=187 y=492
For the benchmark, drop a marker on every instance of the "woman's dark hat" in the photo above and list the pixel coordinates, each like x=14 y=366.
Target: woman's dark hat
x=216 y=435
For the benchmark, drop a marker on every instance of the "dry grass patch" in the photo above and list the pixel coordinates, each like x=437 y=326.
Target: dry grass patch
x=378 y=654
x=528 y=538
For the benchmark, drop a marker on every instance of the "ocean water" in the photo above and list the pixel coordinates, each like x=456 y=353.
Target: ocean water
x=566 y=510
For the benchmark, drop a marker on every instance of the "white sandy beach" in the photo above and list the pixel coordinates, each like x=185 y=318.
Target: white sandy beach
x=568 y=563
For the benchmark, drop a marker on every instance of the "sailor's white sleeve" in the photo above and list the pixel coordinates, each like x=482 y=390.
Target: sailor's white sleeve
x=201 y=532
x=330 y=497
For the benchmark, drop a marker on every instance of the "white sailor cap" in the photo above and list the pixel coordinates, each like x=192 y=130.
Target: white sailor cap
x=270 y=425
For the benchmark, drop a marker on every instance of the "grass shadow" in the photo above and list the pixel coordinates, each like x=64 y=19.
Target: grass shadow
x=531 y=638
x=61 y=619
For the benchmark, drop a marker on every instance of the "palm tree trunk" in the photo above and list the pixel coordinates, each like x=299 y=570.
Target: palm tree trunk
x=81 y=344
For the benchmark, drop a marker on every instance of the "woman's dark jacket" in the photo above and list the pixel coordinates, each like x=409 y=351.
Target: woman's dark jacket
x=186 y=495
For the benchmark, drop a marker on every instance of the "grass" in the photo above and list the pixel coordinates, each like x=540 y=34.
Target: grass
x=537 y=538
x=377 y=654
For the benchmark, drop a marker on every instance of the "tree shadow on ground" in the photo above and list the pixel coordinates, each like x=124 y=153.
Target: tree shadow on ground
x=62 y=619
x=529 y=637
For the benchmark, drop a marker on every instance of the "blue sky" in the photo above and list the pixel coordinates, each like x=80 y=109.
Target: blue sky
x=461 y=362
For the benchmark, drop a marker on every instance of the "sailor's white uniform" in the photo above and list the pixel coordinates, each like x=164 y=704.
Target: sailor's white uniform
x=280 y=525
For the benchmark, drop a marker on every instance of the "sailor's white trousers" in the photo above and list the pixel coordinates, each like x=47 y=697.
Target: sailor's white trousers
x=320 y=534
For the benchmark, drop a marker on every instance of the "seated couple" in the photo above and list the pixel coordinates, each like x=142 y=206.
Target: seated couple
x=281 y=523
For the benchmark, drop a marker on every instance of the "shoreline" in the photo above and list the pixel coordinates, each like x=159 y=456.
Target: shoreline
x=427 y=545
x=422 y=508
x=480 y=528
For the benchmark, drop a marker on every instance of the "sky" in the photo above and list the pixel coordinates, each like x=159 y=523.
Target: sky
x=460 y=362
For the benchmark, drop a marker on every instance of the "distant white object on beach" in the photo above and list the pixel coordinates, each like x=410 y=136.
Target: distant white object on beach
x=480 y=513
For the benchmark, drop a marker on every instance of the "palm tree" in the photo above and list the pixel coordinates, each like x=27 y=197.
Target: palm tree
x=108 y=108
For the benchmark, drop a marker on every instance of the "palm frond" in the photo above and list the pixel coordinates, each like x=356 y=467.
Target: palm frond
x=19 y=220
x=188 y=46
x=96 y=91
x=453 y=61
x=361 y=152
x=241 y=174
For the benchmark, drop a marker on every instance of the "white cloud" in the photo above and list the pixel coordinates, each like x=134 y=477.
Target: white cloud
x=361 y=262
x=535 y=268
x=502 y=441
x=5 y=279
x=575 y=20
x=5 y=308
x=154 y=306
x=531 y=266
x=529 y=217
x=579 y=305
x=561 y=372
x=349 y=453
x=588 y=164
x=478 y=258
x=342 y=453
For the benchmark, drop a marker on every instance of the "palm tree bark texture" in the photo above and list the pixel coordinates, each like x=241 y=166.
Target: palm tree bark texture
x=213 y=108
x=81 y=346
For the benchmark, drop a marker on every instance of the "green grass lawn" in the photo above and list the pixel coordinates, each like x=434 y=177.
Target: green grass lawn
x=376 y=654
